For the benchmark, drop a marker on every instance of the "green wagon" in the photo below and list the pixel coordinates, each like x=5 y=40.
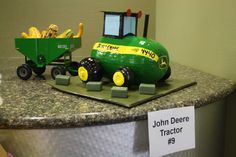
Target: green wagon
x=40 y=52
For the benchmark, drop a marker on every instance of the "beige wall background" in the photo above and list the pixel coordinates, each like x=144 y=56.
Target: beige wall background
x=202 y=34
x=18 y=15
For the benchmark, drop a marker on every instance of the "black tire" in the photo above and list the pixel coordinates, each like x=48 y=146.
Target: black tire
x=128 y=77
x=58 y=70
x=36 y=70
x=39 y=71
x=167 y=75
x=24 y=72
x=73 y=68
x=92 y=68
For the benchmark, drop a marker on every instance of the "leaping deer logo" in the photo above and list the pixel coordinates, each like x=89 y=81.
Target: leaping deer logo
x=163 y=62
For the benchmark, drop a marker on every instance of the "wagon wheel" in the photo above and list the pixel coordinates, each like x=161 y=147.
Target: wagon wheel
x=123 y=77
x=167 y=74
x=36 y=70
x=24 y=72
x=89 y=70
x=58 y=70
x=73 y=68
x=39 y=71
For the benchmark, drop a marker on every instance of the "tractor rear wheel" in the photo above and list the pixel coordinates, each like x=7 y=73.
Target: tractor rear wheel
x=24 y=72
x=123 y=77
x=89 y=70
x=58 y=70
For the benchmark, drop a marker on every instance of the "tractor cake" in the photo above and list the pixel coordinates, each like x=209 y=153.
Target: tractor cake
x=122 y=56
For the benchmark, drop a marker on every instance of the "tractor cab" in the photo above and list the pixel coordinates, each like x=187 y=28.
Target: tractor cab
x=120 y=24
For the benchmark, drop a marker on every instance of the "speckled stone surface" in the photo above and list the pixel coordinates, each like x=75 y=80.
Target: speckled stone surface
x=34 y=104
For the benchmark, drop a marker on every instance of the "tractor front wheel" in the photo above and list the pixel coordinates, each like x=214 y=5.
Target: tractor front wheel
x=123 y=77
x=24 y=72
x=58 y=70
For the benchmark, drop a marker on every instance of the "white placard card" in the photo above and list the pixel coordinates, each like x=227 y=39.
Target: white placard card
x=171 y=131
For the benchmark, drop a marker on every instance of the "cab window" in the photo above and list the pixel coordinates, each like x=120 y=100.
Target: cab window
x=119 y=25
x=129 y=25
x=112 y=25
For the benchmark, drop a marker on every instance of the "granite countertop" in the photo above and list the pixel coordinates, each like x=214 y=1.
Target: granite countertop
x=34 y=104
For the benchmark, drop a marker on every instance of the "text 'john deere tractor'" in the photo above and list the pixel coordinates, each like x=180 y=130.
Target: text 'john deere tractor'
x=122 y=56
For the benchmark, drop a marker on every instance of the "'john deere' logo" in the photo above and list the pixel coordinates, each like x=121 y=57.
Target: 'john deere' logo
x=163 y=62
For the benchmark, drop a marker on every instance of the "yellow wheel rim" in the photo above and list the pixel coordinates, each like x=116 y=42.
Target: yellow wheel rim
x=83 y=73
x=118 y=78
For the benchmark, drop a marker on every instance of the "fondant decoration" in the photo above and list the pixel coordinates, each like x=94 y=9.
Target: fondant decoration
x=62 y=80
x=122 y=56
x=119 y=92
x=147 y=88
x=94 y=86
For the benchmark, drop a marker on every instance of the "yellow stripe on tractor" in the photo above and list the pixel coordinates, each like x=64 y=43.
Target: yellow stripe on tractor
x=120 y=49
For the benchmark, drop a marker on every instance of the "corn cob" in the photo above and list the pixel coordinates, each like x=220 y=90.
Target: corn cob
x=52 y=31
x=24 y=35
x=34 y=32
x=66 y=34
x=43 y=34
x=80 y=31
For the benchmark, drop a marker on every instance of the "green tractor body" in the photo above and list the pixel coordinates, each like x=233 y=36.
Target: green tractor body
x=146 y=58
x=124 y=57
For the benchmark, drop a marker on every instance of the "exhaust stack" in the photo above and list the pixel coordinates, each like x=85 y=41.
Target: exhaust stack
x=145 y=31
